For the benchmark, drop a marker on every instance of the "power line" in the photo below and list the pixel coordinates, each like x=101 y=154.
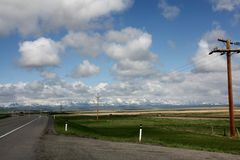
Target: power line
x=190 y=65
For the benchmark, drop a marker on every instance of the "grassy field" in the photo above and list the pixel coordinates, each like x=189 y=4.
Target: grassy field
x=3 y=115
x=200 y=134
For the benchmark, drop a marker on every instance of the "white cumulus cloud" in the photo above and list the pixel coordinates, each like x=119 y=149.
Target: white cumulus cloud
x=168 y=11
x=86 y=69
x=129 y=43
x=42 y=52
x=209 y=63
x=37 y=16
x=88 y=44
x=130 y=48
x=232 y=6
x=228 y=5
x=127 y=69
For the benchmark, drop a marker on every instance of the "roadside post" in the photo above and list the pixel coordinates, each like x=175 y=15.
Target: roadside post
x=53 y=116
x=212 y=130
x=140 y=133
x=66 y=126
x=237 y=132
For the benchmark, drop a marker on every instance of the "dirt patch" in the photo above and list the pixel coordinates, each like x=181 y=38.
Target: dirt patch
x=55 y=147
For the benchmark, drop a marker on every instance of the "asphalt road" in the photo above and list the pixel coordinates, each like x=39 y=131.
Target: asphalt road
x=20 y=135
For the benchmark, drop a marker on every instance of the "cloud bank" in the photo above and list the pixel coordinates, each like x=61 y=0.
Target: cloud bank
x=173 y=88
x=35 y=16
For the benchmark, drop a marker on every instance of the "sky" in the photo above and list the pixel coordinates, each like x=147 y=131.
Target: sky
x=61 y=52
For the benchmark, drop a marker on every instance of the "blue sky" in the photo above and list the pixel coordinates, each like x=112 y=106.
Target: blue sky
x=113 y=47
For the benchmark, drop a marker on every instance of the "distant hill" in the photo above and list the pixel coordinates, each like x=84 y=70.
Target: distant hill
x=86 y=106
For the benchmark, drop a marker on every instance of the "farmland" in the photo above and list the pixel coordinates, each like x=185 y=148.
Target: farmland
x=3 y=115
x=182 y=129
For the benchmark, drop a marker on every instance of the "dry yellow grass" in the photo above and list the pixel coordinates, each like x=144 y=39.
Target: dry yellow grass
x=217 y=111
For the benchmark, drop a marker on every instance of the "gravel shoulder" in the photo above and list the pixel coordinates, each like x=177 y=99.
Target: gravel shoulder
x=59 y=147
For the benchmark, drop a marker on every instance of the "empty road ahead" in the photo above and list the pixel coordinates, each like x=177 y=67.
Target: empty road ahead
x=19 y=136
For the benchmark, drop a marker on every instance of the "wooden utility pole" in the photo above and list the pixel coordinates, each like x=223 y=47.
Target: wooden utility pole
x=230 y=92
x=228 y=51
x=98 y=98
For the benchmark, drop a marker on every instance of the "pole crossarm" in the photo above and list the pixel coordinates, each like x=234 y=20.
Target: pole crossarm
x=224 y=51
x=225 y=41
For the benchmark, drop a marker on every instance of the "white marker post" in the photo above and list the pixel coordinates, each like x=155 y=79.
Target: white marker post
x=53 y=116
x=140 y=133
x=237 y=132
x=66 y=127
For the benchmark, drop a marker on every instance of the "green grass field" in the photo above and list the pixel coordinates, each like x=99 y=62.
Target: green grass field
x=182 y=133
x=2 y=115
